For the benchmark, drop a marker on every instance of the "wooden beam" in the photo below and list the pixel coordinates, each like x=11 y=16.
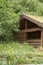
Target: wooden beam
x=34 y=41
x=25 y=24
x=42 y=37
x=31 y=29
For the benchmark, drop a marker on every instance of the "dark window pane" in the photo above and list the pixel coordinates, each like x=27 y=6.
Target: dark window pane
x=33 y=35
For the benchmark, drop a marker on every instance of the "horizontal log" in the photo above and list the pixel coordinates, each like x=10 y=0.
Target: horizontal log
x=34 y=41
x=22 y=35
x=30 y=30
x=35 y=45
x=23 y=38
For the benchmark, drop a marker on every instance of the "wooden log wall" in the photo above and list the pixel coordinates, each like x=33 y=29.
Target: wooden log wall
x=22 y=36
x=34 y=43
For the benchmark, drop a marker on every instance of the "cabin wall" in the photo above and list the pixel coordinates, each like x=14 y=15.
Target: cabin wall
x=33 y=35
x=31 y=25
x=30 y=33
x=20 y=36
x=25 y=24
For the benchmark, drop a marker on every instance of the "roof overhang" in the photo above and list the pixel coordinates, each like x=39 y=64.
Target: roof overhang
x=29 y=18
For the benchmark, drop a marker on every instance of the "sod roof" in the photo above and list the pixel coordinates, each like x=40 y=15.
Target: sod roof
x=35 y=19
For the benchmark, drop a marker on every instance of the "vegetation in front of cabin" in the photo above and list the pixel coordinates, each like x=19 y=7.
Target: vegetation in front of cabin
x=14 y=53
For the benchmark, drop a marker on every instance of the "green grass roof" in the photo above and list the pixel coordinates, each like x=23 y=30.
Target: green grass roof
x=37 y=18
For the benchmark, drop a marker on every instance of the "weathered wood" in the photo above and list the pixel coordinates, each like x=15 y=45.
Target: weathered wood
x=30 y=30
x=34 y=41
x=38 y=23
x=35 y=45
x=42 y=37
x=25 y=24
x=22 y=36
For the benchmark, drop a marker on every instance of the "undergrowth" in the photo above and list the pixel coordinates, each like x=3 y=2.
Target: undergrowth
x=14 y=53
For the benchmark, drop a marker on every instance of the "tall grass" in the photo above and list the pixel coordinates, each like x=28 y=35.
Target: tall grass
x=13 y=53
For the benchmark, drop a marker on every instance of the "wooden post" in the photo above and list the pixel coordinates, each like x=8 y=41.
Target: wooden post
x=42 y=37
x=25 y=24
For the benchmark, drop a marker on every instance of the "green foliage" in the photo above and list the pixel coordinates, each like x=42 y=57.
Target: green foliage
x=10 y=11
x=17 y=53
x=41 y=1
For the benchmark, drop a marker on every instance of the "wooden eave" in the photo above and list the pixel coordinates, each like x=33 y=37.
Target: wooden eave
x=23 y=16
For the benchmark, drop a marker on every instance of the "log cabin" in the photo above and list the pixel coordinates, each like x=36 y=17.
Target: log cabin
x=31 y=30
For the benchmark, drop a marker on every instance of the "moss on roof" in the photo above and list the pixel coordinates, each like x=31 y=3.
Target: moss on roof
x=37 y=18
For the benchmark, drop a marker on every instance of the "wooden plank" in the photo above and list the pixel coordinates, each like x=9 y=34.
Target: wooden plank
x=34 y=44
x=22 y=36
x=31 y=29
x=34 y=41
x=25 y=24
x=42 y=37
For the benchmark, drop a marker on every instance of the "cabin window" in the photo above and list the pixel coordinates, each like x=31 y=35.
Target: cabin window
x=33 y=35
